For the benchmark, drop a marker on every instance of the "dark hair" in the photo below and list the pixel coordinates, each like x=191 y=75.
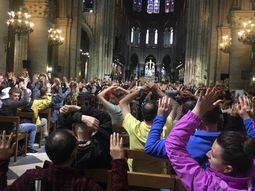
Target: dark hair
x=149 y=110
x=43 y=91
x=118 y=94
x=14 y=90
x=60 y=145
x=233 y=123
x=238 y=151
x=188 y=105
x=213 y=116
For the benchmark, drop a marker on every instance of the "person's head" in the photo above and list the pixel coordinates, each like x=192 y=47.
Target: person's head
x=232 y=153
x=1 y=77
x=43 y=78
x=115 y=97
x=188 y=105
x=15 y=94
x=213 y=119
x=149 y=110
x=61 y=146
x=43 y=91
x=82 y=132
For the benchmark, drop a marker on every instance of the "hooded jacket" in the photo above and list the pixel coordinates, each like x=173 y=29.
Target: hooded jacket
x=192 y=175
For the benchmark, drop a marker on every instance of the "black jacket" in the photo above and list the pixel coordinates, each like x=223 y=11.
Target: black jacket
x=97 y=153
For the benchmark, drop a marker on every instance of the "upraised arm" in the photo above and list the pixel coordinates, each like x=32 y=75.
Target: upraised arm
x=119 y=165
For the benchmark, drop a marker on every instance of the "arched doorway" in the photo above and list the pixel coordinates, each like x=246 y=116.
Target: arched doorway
x=150 y=68
x=134 y=67
x=84 y=55
x=166 y=68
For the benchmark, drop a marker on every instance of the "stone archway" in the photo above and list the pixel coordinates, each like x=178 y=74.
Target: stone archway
x=150 y=68
x=165 y=68
x=87 y=45
x=133 y=67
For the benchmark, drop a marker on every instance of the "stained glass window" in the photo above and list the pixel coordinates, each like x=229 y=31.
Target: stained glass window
x=150 y=6
x=169 y=6
x=156 y=7
x=168 y=37
x=147 y=36
x=132 y=35
x=138 y=5
x=171 y=35
x=88 y=6
x=135 y=36
x=156 y=36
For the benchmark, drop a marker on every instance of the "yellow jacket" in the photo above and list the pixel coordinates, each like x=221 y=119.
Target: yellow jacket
x=39 y=105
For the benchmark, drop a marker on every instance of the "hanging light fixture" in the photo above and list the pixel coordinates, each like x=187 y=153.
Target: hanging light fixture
x=55 y=37
x=225 y=44
x=20 y=22
x=247 y=34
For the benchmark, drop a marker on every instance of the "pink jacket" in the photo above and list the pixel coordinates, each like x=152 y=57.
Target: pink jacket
x=194 y=177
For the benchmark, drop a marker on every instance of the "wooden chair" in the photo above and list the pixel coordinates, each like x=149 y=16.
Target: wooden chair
x=30 y=115
x=140 y=179
x=18 y=136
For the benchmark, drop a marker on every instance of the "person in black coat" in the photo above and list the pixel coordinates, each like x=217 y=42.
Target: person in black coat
x=92 y=128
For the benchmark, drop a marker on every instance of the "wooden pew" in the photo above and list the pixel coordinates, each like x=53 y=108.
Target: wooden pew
x=16 y=134
x=140 y=179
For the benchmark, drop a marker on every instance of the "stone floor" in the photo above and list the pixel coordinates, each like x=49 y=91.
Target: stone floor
x=22 y=164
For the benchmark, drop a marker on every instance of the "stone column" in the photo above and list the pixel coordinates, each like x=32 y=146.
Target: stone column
x=222 y=65
x=240 y=54
x=20 y=52
x=4 y=7
x=61 y=66
x=38 y=39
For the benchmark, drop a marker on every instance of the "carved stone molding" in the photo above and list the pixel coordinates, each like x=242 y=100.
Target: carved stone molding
x=224 y=29
x=238 y=17
x=62 y=21
x=37 y=8
x=87 y=23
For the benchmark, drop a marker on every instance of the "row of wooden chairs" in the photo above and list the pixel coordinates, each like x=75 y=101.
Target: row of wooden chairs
x=18 y=136
x=140 y=179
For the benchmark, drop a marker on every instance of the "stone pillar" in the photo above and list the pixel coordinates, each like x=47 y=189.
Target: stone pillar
x=20 y=52
x=67 y=19
x=38 y=39
x=240 y=54
x=198 y=32
x=61 y=66
x=222 y=65
x=4 y=7
x=104 y=34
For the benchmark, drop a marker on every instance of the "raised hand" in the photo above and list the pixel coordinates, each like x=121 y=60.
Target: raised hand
x=116 y=148
x=252 y=110
x=244 y=107
x=164 y=106
x=69 y=109
x=90 y=122
x=6 y=150
x=206 y=101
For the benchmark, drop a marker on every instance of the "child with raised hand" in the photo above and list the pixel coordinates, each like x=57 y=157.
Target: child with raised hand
x=230 y=159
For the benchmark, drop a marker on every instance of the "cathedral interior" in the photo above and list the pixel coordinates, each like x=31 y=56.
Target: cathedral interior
x=190 y=41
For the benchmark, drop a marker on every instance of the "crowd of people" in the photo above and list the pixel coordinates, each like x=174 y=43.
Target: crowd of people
x=206 y=132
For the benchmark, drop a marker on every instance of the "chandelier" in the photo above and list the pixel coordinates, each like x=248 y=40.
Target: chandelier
x=247 y=34
x=225 y=44
x=20 y=22
x=55 y=37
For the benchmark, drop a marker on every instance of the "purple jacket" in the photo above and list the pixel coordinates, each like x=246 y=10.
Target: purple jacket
x=193 y=176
